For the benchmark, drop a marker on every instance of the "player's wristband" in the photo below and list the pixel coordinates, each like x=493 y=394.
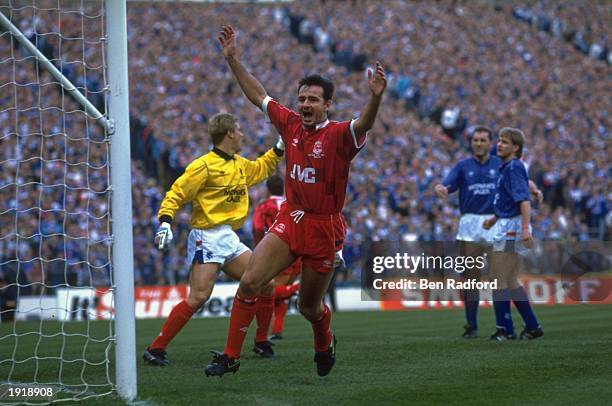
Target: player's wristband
x=279 y=148
x=165 y=219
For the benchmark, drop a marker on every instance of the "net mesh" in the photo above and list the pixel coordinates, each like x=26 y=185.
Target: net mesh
x=55 y=223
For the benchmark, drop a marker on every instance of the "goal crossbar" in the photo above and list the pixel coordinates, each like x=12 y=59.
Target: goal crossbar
x=65 y=83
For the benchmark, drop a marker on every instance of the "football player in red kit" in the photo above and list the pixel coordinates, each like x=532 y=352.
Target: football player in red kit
x=309 y=225
x=284 y=286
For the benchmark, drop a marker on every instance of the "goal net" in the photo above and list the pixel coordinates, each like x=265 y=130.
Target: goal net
x=56 y=281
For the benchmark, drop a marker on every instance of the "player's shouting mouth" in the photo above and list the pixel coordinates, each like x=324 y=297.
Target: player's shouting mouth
x=312 y=104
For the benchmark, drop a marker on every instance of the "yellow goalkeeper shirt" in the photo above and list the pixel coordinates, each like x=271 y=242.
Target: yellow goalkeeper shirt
x=216 y=185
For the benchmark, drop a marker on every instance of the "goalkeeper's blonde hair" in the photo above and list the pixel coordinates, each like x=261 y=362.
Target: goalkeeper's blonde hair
x=515 y=136
x=219 y=125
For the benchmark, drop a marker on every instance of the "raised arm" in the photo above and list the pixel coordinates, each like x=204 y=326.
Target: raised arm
x=377 y=84
x=263 y=167
x=251 y=87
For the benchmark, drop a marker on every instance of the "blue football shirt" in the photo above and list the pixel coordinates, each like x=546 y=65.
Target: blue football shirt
x=512 y=189
x=477 y=184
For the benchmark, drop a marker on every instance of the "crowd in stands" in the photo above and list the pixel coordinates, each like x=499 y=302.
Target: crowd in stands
x=451 y=66
x=572 y=23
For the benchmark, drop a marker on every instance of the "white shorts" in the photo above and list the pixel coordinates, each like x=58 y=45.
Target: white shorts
x=507 y=236
x=217 y=245
x=470 y=228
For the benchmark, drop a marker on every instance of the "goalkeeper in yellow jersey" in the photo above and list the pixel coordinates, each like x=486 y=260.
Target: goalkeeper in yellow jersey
x=216 y=185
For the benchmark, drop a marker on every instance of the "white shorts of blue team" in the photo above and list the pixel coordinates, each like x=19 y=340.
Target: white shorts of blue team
x=214 y=245
x=507 y=236
x=470 y=228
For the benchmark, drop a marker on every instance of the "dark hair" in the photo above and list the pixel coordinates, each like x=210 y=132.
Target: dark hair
x=483 y=129
x=318 y=80
x=275 y=185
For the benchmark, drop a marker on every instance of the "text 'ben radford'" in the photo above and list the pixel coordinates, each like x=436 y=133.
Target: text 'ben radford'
x=424 y=283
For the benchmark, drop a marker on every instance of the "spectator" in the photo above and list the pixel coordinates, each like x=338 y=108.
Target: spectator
x=478 y=63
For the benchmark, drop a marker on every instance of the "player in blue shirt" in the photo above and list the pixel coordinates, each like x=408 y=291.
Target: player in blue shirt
x=476 y=180
x=511 y=230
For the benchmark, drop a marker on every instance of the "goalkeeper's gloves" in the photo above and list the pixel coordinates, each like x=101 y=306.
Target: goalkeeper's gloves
x=280 y=144
x=164 y=236
x=338 y=260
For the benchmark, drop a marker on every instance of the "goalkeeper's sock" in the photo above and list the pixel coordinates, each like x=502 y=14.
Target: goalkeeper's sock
x=521 y=301
x=280 y=310
x=263 y=315
x=320 y=330
x=243 y=311
x=285 y=291
x=179 y=316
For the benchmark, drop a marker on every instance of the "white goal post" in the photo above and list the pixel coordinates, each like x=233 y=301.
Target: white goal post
x=115 y=124
x=121 y=202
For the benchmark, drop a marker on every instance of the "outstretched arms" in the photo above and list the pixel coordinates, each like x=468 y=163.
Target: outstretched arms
x=377 y=83
x=251 y=87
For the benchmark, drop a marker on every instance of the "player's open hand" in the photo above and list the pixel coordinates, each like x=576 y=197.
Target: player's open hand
x=377 y=80
x=227 y=39
x=488 y=223
x=527 y=238
x=441 y=191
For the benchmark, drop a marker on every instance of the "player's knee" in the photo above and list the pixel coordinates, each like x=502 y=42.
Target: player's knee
x=268 y=289
x=250 y=285
x=310 y=312
x=197 y=298
x=513 y=284
x=502 y=283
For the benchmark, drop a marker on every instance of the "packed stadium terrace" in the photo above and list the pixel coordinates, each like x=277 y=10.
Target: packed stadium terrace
x=452 y=65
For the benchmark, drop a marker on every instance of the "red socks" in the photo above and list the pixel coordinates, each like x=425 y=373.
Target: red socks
x=243 y=311
x=320 y=330
x=280 y=310
x=285 y=291
x=179 y=316
x=263 y=315
x=281 y=293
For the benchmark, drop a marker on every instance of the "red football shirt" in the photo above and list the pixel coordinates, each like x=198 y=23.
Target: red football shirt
x=264 y=215
x=317 y=162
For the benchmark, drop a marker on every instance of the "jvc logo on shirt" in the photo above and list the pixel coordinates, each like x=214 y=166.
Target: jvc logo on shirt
x=306 y=175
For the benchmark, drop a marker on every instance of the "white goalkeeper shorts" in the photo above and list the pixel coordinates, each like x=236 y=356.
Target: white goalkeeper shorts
x=470 y=228
x=507 y=236
x=214 y=245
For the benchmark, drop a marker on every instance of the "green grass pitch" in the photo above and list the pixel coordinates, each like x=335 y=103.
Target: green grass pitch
x=414 y=357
